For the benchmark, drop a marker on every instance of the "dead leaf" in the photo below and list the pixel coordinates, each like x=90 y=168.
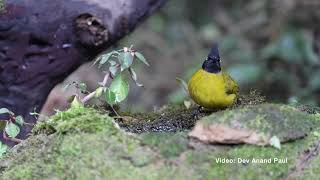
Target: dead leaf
x=222 y=134
x=187 y=104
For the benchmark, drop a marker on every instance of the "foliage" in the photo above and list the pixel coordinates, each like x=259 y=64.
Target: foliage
x=3 y=149
x=2 y=5
x=11 y=127
x=118 y=62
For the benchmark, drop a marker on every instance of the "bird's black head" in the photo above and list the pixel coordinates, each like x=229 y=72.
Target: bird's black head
x=212 y=64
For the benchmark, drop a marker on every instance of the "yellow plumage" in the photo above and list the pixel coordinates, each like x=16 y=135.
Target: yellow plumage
x=213 y=90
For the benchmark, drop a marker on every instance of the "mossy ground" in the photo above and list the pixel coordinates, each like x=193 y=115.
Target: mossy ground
x=83 y=143
x=285 y=122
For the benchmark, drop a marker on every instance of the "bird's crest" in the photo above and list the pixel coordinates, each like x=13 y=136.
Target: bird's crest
x=212 y=63
x=214 y=53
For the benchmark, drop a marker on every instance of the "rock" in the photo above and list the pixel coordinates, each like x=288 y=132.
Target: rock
x=254 y=125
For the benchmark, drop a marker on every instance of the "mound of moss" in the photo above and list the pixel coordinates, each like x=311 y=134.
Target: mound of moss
x=266 y=120
x=83 y=143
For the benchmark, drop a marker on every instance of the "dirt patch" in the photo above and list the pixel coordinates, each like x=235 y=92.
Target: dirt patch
x=173 y=118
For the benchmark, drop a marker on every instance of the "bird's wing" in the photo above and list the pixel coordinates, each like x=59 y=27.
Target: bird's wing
x=230 y=85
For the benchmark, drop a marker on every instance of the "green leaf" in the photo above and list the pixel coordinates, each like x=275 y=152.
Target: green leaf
x=3 y=149
x=12 y=130
x=120 y=87
x=76 y=103
x=98 y=92
x=141 y=58
x=183 y=84
x=5 y=110
x=275 y=142
x=19 y=120
x=113 y=70
x=316 y=134
x=105 y=58
x=83 y=87
x=134 y=77
x=3 y=124
x=126 y=60
x=110 y=97
x=112 y=63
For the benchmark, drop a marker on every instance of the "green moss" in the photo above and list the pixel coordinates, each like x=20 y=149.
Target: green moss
x=312 y=171
x=253 y=170
x=76 y=151
x=169 y=144
x=75 y=119
x=80 y=152
x=285 y=122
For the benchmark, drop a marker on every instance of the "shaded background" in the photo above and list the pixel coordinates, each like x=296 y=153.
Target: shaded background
x=268 y=45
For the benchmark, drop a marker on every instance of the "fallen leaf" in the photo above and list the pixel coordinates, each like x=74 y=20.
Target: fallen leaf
x=222 y=134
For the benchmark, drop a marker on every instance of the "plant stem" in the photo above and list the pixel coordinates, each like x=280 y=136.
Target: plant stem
x=11 y=139
x=106 y=78
x=103 y=84
x=88 y=97
x=115 y=111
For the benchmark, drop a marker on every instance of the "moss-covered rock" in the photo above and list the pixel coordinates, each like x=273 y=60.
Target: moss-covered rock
x=257 y=124
x=78 y=119
x=83 y=143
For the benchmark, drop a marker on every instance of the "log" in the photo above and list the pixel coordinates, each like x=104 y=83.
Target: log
x=42 y=42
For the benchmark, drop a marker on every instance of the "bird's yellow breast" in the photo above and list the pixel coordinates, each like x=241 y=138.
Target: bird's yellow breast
x=212 y=90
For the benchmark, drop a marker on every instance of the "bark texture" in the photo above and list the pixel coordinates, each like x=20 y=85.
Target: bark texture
x=41 y=42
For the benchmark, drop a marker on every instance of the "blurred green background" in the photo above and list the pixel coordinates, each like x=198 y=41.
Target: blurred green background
x=268 y=45
x=271 y=46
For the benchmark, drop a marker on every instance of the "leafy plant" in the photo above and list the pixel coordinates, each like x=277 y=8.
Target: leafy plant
x=2 y=5
x=12 y=126
x=118 y=62
x=3 y=149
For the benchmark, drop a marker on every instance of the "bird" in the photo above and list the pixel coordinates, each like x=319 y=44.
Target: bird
x=212 y=87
